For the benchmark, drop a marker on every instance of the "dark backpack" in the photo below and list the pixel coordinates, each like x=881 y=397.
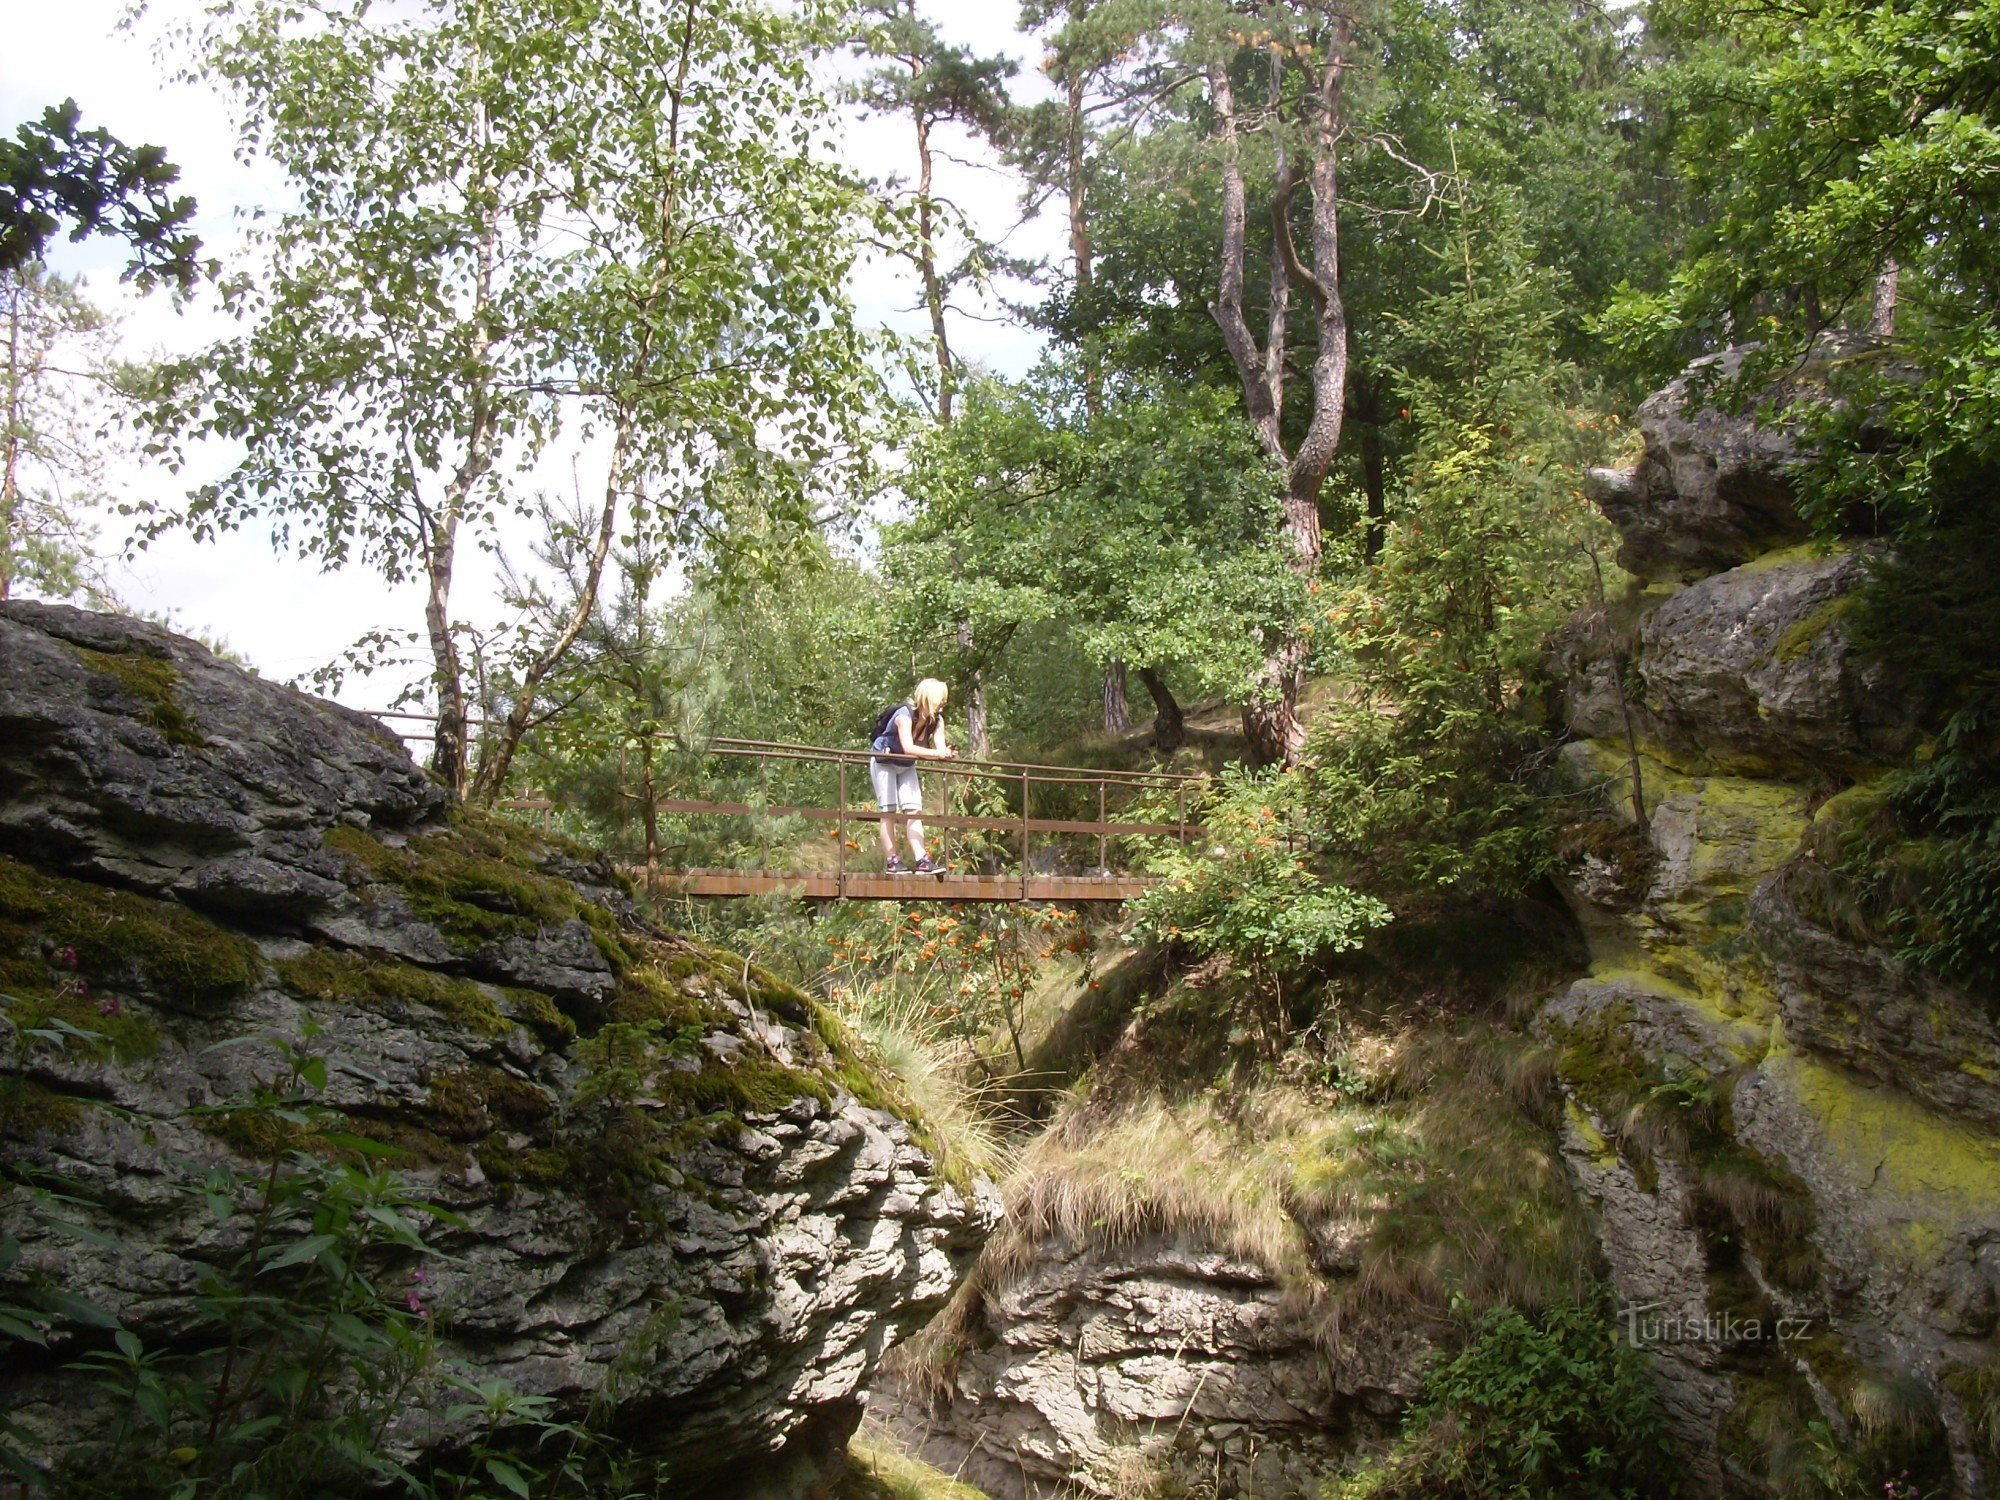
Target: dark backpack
x=882 y=723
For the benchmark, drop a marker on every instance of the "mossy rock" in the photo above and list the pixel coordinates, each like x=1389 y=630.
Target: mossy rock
x=148 y=681
x=111 y=1027
x=329 y=976
x=469 y=1104
x=469 y=896
x=1800 y=638
x=29 y=1111
x=118 y=940
x=259 y=1135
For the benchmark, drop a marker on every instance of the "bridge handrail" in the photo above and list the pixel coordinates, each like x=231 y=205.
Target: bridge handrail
x=958 y=764
x=848 y=811
x=792 y=750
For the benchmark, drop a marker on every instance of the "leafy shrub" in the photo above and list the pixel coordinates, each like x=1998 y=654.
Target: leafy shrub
x=1554 y=1406
x=1250 y=890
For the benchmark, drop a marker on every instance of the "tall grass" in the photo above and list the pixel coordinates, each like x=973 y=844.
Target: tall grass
x=940 y=1078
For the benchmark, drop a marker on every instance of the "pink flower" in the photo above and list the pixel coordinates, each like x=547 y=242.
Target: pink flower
x=416 y=1303
x=111 y=1005
x=66 y=957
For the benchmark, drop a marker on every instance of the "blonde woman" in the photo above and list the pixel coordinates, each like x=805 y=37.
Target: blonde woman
x=911 y=731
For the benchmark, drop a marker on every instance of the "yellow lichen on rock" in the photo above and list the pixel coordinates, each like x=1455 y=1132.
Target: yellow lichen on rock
x=1885 y=1143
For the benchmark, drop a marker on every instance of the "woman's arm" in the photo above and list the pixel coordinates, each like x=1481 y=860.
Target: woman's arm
x=907 y=745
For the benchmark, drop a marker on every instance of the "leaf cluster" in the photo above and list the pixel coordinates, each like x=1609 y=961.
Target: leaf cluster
x=54 y=172
x=1551 y=1405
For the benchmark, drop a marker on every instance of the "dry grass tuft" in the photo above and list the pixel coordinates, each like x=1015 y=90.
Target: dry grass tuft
x=881 y=1468
x=1158 y=1171
x=1454 y=1183
x=1891 y=1405
x=936 y=1072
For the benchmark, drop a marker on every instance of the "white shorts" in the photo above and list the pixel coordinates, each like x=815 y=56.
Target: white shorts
x=896 y=788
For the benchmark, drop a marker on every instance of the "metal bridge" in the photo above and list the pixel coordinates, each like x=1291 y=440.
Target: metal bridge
x=1004 y=830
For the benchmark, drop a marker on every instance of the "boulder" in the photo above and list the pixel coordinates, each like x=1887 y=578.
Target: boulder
x=1097 y=1366
x=133 y=755
x=664 y=1193
x=1753 y=669
x=1713 y=487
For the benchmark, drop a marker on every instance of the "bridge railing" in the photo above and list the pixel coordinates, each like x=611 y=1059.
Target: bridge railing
x=989 y=818
x=991 y=815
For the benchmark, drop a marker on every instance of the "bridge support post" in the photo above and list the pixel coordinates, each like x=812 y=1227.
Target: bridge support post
x=1103 y=840
x=840 y=832
x=1024 y=836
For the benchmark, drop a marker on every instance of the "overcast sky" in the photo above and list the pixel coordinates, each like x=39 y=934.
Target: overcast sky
x=282 y=614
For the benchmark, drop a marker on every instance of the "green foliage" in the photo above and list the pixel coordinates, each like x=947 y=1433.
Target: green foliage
x=1250 y=889
x=53 y=377
x=1555 y=1405
x=1431 y=775
x=1143 y=520
x=55 y=173
x=503 y=222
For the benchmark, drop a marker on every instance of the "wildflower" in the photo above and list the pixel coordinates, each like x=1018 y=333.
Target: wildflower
x=111 y=1005
x=66 y=957
x=416 y=1303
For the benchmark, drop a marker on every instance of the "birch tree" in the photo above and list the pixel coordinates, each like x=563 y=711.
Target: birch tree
x=614 y=223
x=53 y=356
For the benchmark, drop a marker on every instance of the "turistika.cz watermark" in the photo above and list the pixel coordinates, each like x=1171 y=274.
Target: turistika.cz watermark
x=1651 y=1324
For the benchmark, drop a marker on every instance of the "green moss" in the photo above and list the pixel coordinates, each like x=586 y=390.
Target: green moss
x=475 y=886
x=120 y=939
x=537 y=1012
x=536 y=1166
x=1945 y=1173
x=148 y=681
x=256 y=1134
x=652 y=993
x=748 y=1086
x=1785 y=557
x=1803 y=634
x=122 y=1032
x=471 y=1103
x=413 y=1142
x=29 y=1111
x=332 y=977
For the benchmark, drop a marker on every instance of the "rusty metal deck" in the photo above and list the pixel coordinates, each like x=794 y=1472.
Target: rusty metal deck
x=855 y=886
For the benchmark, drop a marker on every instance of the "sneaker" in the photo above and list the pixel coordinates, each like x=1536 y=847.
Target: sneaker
x=929 y=866
x=895 y=866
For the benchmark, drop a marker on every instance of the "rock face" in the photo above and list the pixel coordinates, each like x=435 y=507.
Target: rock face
x=1096 y=1364
x=682 y=1208
x=1791 y=1140
x=1753 y=668
x=1713 y=488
